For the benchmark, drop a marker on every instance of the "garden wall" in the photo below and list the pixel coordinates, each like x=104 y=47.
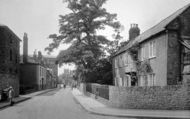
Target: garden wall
x=167 y=97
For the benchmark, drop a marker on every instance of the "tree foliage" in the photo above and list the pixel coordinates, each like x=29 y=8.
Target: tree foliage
x=79 y=28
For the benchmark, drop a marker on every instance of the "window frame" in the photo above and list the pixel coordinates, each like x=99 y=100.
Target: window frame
x=151 y=78
x=152 y=49
x=11 y=55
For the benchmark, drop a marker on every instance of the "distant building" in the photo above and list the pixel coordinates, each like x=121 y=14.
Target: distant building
x=32 y=73
x=37 y=72
x=159 y=56
x=33 y=76
x=51 y=81
x=9 y=59
x=51 y=63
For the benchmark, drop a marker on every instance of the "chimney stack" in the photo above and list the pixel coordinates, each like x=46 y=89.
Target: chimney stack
x=25 y=48
x=134 y=31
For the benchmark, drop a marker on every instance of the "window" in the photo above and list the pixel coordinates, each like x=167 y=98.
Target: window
x=151 y=79
x=187 y=57
x=116 y=63
x=143 y=80
x=126 y=81
x=11 y=55
x=144 y=52
x=2 y=52
x=16 y=58
x=126 y=61
x=3 y=69
x=11 y=39
x=10 y=70
x=120 y=61
x=40 y=71
x=152 y=49
x=16 y=71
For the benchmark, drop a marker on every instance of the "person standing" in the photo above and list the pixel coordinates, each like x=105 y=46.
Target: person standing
x=11 y=95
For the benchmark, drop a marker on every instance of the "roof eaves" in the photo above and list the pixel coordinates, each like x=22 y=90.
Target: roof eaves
x=8 y=29
x=156 y=29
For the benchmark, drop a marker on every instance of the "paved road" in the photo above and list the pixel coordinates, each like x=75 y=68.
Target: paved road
x=58 y=104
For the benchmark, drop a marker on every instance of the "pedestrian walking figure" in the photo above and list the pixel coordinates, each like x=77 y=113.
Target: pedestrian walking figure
x=11 y=95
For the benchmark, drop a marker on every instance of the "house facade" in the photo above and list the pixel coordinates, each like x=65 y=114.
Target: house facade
x=9 y=59
x=52 y=65
x=36 y=72
x=160 y=55
x=51 y=82
x=33 y=76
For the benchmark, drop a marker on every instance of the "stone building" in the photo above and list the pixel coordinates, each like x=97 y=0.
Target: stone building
x=32 y=73
x=37 y=72
x=159 y=56
x=33 y=76
x=50 y=79
x=51 y=63
x=9 y=59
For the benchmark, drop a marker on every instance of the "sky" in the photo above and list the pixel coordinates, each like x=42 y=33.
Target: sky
x=39 y=18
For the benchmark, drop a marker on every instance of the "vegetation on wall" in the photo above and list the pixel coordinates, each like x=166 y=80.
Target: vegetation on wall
x=142 y=66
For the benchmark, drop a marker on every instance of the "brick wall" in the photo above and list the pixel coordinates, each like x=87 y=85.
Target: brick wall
x=171 y=97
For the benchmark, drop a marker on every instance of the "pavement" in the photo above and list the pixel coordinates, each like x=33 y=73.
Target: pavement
x=95 y=107
x=22 y=98
x=56 y=104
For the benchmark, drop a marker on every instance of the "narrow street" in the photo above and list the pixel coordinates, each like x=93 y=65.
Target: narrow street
x=57 y=104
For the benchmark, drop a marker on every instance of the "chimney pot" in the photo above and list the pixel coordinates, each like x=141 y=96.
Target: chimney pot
x=134 y=31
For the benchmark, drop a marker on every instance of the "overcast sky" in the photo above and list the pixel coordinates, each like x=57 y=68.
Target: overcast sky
x=39 y=18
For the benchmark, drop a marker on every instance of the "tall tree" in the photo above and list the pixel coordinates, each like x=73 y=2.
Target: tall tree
x=79 y=28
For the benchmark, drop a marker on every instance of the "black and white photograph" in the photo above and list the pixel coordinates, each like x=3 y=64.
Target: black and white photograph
x=94 y=59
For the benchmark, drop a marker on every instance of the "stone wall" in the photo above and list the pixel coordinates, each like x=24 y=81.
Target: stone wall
x=9 y=59
x=7 y=79
x=173 y=59
x=167 y=97
x=173 y=97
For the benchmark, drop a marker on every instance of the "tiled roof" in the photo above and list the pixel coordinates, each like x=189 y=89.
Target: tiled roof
x=154 y=30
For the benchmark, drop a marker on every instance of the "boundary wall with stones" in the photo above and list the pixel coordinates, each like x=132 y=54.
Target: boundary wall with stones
x=173 y=97
x=10 y=80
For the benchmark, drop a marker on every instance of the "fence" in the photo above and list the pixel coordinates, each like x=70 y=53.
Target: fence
x=98 y=90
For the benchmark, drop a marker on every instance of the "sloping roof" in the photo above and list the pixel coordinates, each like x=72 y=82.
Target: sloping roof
x=9 y=30
x=2 y=25
x=154 y=30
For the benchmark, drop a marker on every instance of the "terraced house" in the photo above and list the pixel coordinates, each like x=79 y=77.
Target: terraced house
x=159 y=56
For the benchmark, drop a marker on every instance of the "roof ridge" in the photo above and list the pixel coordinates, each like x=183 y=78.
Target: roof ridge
x=157 y=28
x=185 y=6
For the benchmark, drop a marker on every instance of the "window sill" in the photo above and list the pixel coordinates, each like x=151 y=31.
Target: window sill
x=148 y=59
x=152 y=58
